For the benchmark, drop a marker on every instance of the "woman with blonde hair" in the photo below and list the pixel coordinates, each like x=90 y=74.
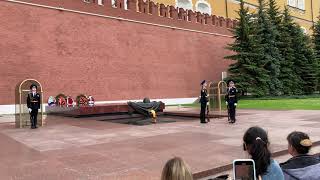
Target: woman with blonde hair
x=176 y=169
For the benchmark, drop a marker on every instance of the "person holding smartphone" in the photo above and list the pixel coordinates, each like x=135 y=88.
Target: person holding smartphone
x=301 y=166
x=244 y=169
x=256 y=143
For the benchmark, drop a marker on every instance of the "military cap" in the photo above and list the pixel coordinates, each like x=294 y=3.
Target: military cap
x=33 y=85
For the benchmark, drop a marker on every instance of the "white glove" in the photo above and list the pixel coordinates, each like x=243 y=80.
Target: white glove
x=226 y=102
x=30 y=110
x=235 y=104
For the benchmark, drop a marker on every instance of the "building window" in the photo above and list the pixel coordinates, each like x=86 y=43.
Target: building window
x=297 y=4
x=203 y=7
x=185 y=4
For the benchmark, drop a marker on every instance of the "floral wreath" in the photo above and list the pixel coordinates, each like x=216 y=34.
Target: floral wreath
x=82 y=100
x=61 y=99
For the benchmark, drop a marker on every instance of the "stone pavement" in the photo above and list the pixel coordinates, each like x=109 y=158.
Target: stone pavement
x=73 y=148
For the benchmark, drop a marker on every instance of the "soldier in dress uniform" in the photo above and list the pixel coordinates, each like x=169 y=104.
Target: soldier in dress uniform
x=203 y=101
x=231 y=101
x=33 y=103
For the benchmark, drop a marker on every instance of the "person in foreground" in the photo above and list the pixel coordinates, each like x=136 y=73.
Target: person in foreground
x=256 y=143
x=301 y=166
x=176 y=169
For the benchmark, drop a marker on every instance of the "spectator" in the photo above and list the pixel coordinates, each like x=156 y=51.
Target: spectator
x=256 y=143
x=176 y=169
x=301 y=166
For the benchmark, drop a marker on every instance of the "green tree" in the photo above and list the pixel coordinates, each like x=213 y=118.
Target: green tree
x=283 y=44
x=268 y=33
x=247 y=71
x=287 y=76
x=316 y=42
x=305 y=62
x=274 y=13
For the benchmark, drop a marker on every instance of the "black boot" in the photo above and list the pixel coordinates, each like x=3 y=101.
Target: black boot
x=32 y=122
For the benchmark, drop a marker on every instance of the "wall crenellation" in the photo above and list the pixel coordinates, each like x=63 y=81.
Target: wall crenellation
x=148 y=11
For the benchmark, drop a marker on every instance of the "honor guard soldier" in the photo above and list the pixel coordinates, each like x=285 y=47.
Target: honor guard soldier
x=33 y=103
x=203 y=101
x=231 y=101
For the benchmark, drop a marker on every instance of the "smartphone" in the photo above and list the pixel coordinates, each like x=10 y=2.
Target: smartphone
x=244 y=169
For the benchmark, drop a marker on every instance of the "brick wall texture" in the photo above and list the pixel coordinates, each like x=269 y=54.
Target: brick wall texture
x=74 y=53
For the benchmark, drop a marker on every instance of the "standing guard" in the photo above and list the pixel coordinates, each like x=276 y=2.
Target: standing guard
x=33 y=103
x=203 y=101
x=231 y=101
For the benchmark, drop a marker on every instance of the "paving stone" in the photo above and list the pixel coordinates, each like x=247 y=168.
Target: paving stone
x=73 y=148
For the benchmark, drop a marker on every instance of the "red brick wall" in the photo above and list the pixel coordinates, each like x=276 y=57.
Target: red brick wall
x=109 y=59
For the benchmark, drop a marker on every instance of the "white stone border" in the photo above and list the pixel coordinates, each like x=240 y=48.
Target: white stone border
x=7 y=109
x=10 y=108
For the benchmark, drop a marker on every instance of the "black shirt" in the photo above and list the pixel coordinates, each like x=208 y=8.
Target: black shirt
x=33 y=101
x=204 y=94
x=231 y=95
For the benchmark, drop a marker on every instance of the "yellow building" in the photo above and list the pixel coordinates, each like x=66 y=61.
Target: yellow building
x=304 y=12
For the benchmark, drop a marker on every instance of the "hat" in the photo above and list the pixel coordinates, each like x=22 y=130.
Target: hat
x=33 y=85
x=230 y=80
x=204 y=81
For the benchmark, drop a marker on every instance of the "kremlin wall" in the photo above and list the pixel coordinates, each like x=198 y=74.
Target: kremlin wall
x=114 y=53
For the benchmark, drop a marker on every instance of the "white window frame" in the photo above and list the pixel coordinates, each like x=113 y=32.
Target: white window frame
x=302 y=5
x=292 y=3
x=203 y=2
x=190 y=8
x=299 y=4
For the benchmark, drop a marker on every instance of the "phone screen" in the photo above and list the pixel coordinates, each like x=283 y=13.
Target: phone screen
x=244 y=170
